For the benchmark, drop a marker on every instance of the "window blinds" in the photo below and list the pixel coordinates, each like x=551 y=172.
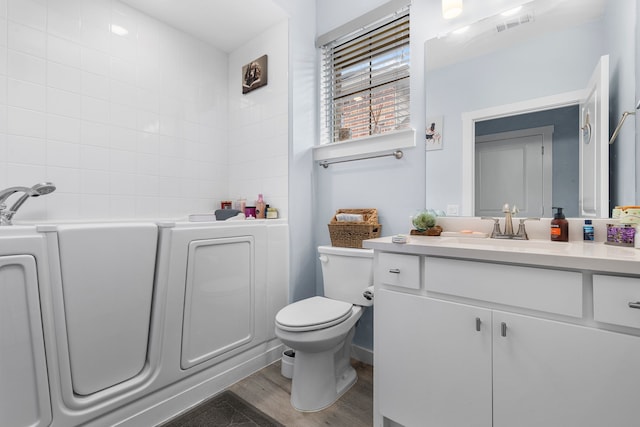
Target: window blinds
x=365 y=81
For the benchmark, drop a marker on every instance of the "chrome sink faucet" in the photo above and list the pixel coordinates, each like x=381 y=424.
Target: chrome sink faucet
x=6 y=214
x=521 y=234
x=508 y=220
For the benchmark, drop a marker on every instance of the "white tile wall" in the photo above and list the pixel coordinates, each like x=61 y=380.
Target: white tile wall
x=132 y=126
x=258 y=123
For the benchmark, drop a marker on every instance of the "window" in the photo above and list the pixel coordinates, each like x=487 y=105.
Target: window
x=365 y=81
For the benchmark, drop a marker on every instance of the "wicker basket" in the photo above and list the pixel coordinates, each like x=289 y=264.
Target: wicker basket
x=351 y=234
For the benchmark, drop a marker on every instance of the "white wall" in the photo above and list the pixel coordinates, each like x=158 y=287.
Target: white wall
x=620 y=22
x=303 y=134
x=258 y=123
x=126 y=126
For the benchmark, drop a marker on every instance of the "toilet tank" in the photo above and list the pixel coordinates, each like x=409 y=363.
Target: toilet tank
x=346 y=273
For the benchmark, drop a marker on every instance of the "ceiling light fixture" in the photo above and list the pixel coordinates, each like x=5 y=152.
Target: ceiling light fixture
x=451 y=8
x=512 y=12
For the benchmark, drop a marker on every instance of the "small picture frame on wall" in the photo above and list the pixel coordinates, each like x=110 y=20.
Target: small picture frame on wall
x=433 y=133
x=254 y=74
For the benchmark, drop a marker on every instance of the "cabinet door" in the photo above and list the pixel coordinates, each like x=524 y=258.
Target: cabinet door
x=434 y=367
x=554 y=374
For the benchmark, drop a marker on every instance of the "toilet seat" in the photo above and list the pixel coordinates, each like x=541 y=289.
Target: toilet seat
x=312 y=313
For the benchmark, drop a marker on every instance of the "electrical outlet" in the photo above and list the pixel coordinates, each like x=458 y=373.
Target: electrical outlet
x=453 y=210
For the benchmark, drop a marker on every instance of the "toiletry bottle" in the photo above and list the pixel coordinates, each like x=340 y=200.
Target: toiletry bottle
x=260 y=207
x=559 y=227
x=241 y=203
x=587 y=231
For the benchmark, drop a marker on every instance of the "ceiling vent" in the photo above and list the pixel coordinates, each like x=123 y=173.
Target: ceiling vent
x=514 y=22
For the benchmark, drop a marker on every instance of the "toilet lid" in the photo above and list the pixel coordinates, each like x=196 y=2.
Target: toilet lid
x=313 y=313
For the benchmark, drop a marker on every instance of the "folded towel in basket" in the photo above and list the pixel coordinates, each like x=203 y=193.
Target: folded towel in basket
x=349 y=217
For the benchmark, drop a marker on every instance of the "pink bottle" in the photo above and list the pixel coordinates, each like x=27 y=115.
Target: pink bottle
x=260 y=207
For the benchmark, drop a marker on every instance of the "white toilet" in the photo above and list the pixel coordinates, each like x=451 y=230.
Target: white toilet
x=320 y=329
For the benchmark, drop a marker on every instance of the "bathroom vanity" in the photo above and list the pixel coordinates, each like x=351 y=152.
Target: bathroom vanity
x=486 y=332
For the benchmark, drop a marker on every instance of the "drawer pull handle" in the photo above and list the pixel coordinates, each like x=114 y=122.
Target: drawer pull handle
x=503 y=329
x=394 y=270
x=634 y=304
x=478 y=323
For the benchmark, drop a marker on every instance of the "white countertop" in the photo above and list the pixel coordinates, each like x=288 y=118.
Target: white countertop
x=575 y=255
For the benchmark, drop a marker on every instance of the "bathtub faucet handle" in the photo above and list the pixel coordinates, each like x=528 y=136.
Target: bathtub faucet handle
x=4 y=220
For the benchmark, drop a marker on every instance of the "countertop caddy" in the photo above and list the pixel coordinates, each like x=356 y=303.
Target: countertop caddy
x=504 y=333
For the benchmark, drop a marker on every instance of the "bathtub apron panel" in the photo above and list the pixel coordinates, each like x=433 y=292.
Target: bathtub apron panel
x=215 y=281
x=219 y=298
x=24 y=386
x=107 y=273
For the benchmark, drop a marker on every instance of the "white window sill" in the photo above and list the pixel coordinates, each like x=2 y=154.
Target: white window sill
x=354 y=149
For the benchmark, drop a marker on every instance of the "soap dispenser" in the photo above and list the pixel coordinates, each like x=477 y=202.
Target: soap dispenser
x=559 y=227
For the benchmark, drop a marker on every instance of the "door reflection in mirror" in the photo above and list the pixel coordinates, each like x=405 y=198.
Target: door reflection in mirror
x=511 y=165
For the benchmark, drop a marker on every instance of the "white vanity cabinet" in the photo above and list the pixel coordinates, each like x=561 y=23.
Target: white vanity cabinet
x=549 y=373
x=431 y=362
x=487 y=344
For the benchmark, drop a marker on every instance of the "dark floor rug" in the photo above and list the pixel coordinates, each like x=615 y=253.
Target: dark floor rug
x=225 y=409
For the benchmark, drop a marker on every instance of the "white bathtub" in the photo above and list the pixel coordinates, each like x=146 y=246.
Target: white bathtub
x=24 y=389
x=138 y=314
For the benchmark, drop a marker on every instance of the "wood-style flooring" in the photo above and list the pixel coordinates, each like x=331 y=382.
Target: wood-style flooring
x=269 y=391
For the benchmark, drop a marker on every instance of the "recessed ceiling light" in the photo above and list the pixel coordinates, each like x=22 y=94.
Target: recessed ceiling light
x=118 y=30
x=511 y=12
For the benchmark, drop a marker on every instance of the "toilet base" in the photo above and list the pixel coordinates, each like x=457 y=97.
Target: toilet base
x=320 y=379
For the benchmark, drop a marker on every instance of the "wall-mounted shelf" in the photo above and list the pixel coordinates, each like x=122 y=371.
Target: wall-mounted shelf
x=368 y=147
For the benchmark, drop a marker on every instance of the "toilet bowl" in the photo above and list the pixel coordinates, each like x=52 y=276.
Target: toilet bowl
x=320 y=329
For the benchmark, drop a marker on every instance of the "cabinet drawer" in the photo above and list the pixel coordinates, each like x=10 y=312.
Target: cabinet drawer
x=552 y=291
x=611 y=298
x=398 y=270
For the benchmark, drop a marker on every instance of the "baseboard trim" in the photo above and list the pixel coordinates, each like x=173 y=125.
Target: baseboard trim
x=362 y=354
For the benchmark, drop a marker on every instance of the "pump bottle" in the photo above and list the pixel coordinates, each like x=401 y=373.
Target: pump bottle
x=559 y=227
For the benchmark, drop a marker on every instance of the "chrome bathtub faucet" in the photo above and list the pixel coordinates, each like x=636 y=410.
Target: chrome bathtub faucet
x=6 y=214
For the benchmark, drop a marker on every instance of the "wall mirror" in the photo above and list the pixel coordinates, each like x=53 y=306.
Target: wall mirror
x=544 y=75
